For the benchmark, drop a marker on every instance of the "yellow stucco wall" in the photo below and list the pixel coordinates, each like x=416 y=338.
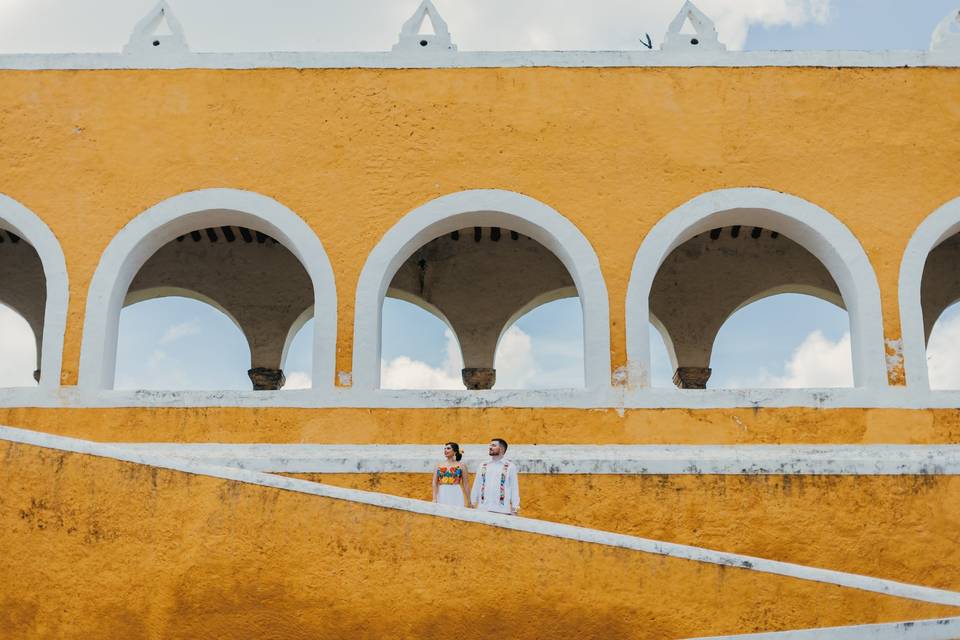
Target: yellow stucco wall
x=353 y=150
x=100 y=548
x=904 y=528
x=531 y=426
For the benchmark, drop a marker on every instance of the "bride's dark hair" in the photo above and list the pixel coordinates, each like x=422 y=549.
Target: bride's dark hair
x=456 y=450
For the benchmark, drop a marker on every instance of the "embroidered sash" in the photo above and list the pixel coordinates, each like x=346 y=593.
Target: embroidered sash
x=503 y=481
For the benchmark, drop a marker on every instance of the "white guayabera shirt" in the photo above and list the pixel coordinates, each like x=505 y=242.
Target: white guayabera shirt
x=496 y=488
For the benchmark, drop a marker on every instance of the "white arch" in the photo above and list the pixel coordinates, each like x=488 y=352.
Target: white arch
x=828 y=239
x=144 y=235
x=489 y=208
x=35 y=231
x=937 y=227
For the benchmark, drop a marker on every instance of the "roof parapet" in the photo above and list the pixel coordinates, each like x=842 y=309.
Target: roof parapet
x=704 y=37
x=946 y=37
x=147 y=34
x=412 y=37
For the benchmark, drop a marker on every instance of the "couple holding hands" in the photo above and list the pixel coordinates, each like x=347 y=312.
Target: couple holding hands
x=495 y=486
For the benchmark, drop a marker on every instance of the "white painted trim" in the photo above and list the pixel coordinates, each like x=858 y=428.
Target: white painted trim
x=526 y=525
x=935 y=228
x=479 y=59
x=35 y=231
x=823 y=235
x=938 y=629
x=144 y=235
x=763 y=460
x=615 y=399
x=486 y=208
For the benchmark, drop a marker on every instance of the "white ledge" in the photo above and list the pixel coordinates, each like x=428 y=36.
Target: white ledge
x=477 y=59
x=937 y=629
x=579 y=459
x=525 y=525
x=617 y=399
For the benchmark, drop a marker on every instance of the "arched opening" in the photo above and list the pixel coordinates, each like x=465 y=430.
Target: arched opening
x=23 y=291
x=419 y=350
x=943 y=350
x=710 y=277
x=18 y=350
x=783 y=341
x=180 y=343
x=245 y=254
x=544 y=347
x=929 y=288
x=298 y=353
x=480 y=280
x=480 y=260
x=724 y=250
x=663 y=360
x=33 y=296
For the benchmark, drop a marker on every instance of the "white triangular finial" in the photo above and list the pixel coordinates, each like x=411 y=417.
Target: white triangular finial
x=946 y=37
x=411 y=39
x=148 y=35
x=703 y=38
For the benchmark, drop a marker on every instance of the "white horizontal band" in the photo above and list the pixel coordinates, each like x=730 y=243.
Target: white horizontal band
x=476 y=59
x=939 y=629
x=579 y=459
x=609 y=398
x=526 y=525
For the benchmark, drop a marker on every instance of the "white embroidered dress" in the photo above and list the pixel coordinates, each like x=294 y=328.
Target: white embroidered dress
x=449 y=482
x=495 y=487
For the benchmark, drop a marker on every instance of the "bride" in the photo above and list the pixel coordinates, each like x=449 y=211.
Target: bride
x=450 y=478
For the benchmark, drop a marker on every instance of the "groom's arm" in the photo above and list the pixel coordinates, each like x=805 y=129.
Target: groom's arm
x=515 y=488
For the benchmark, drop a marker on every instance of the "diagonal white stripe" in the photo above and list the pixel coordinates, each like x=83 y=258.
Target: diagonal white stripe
x=527 y=525
x=939 y=629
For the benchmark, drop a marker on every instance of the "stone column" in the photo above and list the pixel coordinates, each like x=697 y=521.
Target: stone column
x=477 y=378
x=266 y=379
x=692 y=377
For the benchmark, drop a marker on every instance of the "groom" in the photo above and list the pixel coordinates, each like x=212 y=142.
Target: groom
x=495 y=486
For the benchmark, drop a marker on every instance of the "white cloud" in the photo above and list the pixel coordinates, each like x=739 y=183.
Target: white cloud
x=180 y=330
x=298 y=380
x=516 y=367
x=943 y=354
x=735 y=17
x=405 y=373
x=18 y=351
x=817 y=362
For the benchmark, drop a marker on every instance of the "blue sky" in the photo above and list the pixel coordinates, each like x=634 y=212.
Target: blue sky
x=178 y=343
